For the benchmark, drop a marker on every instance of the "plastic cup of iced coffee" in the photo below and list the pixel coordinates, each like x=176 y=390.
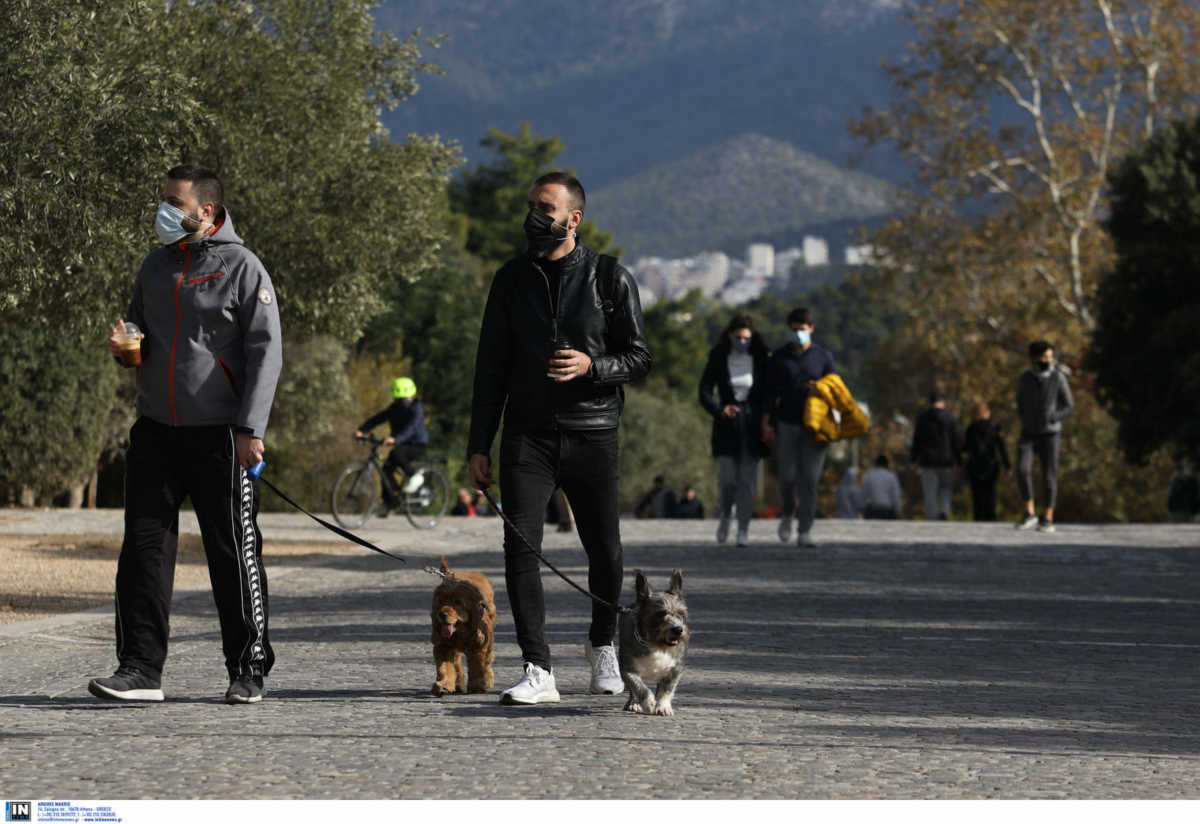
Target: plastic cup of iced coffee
x=129 y=345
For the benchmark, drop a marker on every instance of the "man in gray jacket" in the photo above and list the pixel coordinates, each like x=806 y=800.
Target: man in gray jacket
x=210 y=360
x=1043 y=401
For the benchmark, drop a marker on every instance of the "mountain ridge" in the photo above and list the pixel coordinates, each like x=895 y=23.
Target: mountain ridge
x=634 y=83
x=749 y=188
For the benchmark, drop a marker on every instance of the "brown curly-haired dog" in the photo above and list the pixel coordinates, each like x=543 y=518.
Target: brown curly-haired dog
x=464 y=623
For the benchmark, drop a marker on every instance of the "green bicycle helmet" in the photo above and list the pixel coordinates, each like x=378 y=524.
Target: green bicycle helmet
x=404 y=388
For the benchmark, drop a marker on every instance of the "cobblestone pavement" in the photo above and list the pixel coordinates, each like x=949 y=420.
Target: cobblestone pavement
x=895 y=660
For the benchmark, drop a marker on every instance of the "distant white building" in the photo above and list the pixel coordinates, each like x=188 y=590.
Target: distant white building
x=863 y=255
x=761 y=257
x=816 y=251
x=785 y=260
x=673 y=278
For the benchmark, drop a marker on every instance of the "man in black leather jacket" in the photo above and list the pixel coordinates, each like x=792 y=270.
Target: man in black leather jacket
x=562 y=333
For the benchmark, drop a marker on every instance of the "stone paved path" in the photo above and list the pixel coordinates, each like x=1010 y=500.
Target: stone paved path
x=901 y=660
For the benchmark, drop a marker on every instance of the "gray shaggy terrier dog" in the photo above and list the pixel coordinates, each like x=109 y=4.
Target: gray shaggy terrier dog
x=654 y=641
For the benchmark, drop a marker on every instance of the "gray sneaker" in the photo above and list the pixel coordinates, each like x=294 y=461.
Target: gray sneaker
x=723 y=531
x=606 y=677
x=536 y=686
x=127 y=684
x=743 y=537
x=785 y=530
x=805 y=539
x=245 y=689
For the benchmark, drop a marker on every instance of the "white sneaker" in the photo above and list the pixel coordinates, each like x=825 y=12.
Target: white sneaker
x=723 y=531
x=414 y=483
x=1027 y=522
x=805 y=539
x=743 y=537
x=606 y=677
x=536 y=686
x=785 y=530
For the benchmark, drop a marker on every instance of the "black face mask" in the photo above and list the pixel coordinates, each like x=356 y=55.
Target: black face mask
x=1042 y=366
x=543 y=234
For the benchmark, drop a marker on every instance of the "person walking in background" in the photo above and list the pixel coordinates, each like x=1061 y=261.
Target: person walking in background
x=848 y=499
x=986 y=458
x=409 y=438
x=464 y=507
x=210 y=360
x=881 y=492
x=1183 y=492
x=1043 y=401
x=659 y=502
x=936 y=449
x=562 y=334
x=791 y=374
x=730 y=391
x=689 y=506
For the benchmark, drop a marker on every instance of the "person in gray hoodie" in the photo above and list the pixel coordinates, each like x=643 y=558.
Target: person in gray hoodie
x=1043 y=401
x=210 y=361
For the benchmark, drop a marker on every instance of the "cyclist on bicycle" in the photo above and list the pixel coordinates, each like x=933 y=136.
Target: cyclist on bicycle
x=409 y=438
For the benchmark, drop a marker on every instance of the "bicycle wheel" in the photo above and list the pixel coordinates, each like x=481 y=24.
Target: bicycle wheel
x=425 y=506
x=354 y=494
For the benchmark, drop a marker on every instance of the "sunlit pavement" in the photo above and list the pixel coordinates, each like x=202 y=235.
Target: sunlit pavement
x=897 y=660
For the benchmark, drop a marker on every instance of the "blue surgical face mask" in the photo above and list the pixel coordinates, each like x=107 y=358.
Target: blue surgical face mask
x=803 y=336
x=168 y=223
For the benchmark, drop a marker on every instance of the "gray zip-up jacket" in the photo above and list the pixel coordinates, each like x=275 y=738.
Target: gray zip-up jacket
x=1043 y=401
x=212 y=352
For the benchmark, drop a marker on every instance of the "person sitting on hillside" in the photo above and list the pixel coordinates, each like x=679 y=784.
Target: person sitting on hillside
x=689 y=506
x=881 y=492
x=464 y=507
x=848 y=501
x=659 y=502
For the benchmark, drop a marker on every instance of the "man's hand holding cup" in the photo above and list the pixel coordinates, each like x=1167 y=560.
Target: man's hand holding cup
x=125 y=342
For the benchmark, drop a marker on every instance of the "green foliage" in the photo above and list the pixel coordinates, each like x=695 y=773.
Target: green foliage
x=90 y=125
x=664 y=434
x=282 y=98
x=494 y=196
x=1144 y=350
x=680 y=333
x=336 y=211
x=52 y=391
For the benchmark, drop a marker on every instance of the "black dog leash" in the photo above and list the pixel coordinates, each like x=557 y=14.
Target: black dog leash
x=508 y=522
x=255 y=473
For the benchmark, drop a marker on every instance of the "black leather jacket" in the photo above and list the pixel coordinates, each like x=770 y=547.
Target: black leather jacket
x=520 y=324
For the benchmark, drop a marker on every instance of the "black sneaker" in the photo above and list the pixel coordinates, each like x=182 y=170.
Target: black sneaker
x=127 y=684
x=1044 y=525
x=245 y=689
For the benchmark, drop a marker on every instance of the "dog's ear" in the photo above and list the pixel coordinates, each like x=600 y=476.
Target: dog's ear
x=642 y=586
x=676 y=587
x=445 y=567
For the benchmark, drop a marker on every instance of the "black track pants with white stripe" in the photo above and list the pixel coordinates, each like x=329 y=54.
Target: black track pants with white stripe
x=165 y=465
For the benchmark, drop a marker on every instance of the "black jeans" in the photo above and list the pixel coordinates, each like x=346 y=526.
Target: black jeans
x=983 y=499
x=405 y=456
x=164 y=465
x=584 y=464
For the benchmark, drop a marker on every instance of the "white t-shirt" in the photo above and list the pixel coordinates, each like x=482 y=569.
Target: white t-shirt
x=741 y=374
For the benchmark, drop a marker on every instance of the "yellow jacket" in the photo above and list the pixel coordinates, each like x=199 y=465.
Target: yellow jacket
x=831 y=394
